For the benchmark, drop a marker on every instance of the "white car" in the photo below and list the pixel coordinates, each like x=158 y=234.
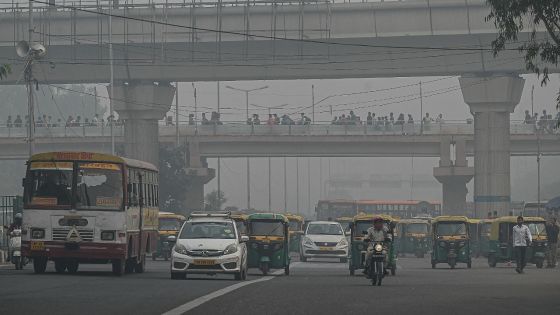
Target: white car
x=209 y=244
x=324 y=239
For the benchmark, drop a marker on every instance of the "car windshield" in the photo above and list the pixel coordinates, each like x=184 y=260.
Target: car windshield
x=266 y=228
x=213 y=230
x=324 y=229
x=536 y=228
x=169 y=224
x=99 y=186
x=417 y=228
x=49 y=184
x=451 y=228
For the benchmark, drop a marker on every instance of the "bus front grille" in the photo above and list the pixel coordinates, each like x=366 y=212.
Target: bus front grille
x=61 y=234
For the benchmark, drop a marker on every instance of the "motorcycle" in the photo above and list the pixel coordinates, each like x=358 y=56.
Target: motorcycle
x=376 y=270
x=15 y=249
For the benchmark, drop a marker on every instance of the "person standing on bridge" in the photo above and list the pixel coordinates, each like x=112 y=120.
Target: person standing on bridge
x=552 y=230
x=521 y=239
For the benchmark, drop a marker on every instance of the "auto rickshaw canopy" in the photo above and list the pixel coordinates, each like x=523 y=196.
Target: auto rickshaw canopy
x=267 y=216
x=450 y=218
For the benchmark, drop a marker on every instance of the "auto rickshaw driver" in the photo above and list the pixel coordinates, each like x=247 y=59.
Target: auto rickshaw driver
x=377 y=233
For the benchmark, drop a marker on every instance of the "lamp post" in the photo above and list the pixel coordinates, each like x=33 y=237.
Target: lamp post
x=247 y=118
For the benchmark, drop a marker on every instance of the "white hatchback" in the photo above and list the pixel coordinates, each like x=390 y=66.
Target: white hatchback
x=209 y=244
x=324 y=239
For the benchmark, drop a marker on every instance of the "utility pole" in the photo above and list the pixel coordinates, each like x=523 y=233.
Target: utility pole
x=285 y=187
x=421 y=110
x=219 y=161
x=111 y=80
x=308 y=183
x=538 y=173
x=313 y=102
x=269 y=185
x=177 y=142
x=320 y=178
x=248 y=185
x=297 y=185
x=532 y=101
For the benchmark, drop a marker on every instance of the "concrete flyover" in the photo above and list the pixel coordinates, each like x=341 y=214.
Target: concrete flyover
x=239 y=140
x=258 y=40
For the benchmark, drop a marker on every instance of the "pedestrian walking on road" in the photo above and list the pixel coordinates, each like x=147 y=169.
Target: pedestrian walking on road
x=521 y=239
x=552 y=230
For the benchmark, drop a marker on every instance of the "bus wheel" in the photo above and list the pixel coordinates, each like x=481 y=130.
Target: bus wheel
x=39 y=264
x=59 y=266
x=73 y=267
x=140 y=267
x=118 y=267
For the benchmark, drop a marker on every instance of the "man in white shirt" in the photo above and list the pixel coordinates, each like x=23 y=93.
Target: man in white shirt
x=521 y=239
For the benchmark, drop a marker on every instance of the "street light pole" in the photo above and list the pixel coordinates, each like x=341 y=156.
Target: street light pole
x=285 y=187
x=111 y=80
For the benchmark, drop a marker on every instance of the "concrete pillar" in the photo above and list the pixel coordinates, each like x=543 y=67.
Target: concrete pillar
x=491 y=100
x=141 y=105
x=454 y=174
x=199 y=174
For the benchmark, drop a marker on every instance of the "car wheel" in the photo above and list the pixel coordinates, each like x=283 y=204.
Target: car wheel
x=343 y=260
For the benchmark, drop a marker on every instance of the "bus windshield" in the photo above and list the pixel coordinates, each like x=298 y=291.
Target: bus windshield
x=451 y=228
x=99 y=186
x=49 y=184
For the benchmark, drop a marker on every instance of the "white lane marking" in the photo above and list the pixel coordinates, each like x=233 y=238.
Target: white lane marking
x=181 y=309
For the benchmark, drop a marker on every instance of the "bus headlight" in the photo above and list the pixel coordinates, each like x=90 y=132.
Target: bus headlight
x=37 y=233
x=108 y=235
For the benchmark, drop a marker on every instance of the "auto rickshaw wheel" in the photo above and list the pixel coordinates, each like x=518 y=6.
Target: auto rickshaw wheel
x=343 y=260
x=433 y=265
x=287 y=270
x=393 y=270
x=154 y=256
x=492 y=260
x=469 y=265
x=352 y=270
x=539 y=263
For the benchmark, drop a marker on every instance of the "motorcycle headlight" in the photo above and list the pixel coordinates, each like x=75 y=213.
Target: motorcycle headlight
x=461 y=244
x=378 y=247
x=178 y=248
x=342 y=243
x=442 y=244
x=230 y=249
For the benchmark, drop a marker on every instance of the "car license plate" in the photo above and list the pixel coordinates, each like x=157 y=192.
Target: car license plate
x=325 y=248
x=37 y=245
x=204 y=262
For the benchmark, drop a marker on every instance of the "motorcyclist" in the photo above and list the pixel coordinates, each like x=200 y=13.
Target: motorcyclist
x=18 y=218
x=377 y=233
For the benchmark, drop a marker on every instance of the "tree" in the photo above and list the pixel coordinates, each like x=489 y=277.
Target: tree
x=513 y=16
x=173 y=179
x=214 y=200
x=5 y=70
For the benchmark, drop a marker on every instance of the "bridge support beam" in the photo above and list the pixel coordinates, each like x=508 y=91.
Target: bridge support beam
x=491 y=100
x=453 y=174
x=199 y=174
x=140 y=105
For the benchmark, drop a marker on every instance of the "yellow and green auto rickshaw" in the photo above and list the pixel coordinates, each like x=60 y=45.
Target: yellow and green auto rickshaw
x=414 y=237
x=474 y=236
x=240 y=222
x=450 y=241
x=169 y=226
x=485 y=227
x=345 y=222
x=268 y=246
x=295 y=230
x=358 y=227
x=501 y=245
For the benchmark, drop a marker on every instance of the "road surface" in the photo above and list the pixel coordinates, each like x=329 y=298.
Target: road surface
x=316 y=287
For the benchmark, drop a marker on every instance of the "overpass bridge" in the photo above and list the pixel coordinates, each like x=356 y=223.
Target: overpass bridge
x=155 y=44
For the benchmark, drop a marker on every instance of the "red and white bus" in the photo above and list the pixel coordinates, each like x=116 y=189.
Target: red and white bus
x=84 y=207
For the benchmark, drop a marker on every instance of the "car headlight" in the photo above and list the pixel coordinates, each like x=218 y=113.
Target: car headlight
x=378 y=247
x=342 y=243
x=178 y=248
x=37 y=233
x=230 y=249
x=308 y=242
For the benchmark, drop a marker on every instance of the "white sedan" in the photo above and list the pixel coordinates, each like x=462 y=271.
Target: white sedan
x=209 y=245
x=324 y=239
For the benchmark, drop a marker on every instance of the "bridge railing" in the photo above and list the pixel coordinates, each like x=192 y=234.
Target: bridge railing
x=241 y=128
